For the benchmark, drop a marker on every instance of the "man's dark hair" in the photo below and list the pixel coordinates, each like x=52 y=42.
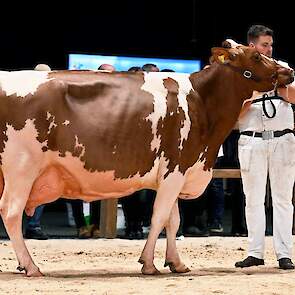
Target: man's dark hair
x=135 y=69
x=256 y=31
x=148 y=67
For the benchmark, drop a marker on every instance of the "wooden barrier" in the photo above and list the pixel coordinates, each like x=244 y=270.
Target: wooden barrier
x=108 y=218
x=108 y=211
x=226 y=173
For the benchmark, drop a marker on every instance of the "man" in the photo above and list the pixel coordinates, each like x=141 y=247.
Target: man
x=267 y=148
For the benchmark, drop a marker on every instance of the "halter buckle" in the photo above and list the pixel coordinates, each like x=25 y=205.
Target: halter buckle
x=247 y=74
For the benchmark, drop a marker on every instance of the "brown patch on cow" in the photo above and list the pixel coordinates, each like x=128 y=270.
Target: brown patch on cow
x=169 y=128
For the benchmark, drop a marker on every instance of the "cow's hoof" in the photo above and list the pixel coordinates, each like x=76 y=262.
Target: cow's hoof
x=148 y=270
x=34 y=273
x=181 y=268
x=151 y=271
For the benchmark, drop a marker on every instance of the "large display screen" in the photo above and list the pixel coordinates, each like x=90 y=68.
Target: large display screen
x=123 y=63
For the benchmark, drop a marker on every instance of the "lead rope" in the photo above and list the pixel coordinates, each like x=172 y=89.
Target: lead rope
x=264 y=98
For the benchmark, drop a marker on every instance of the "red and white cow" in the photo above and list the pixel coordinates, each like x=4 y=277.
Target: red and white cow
x=98 y=135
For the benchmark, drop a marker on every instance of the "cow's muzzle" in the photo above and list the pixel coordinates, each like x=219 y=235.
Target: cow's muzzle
x=283 y=76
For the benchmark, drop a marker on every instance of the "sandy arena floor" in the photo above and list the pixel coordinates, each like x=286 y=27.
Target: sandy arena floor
x=110 y=267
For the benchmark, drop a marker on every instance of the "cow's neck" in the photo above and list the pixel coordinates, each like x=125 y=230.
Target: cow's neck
x=222 y=92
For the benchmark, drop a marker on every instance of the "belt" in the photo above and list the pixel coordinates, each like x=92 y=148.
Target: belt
x=269 y=134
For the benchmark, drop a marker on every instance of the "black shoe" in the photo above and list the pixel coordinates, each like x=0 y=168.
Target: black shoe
x=133 y=235
x=249 y=261
x=286 y=263
x=239 y=234
x=36 y=234
x=193 y=231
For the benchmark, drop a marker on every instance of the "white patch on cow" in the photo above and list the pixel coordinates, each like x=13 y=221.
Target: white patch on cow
x=171 y=185
x=185 y=87
x=114 y=151
x=22 y=149
x=66 y=122
x=79 y=145
x=154 y=85
x=45 y=143
x=267 y=57
x=52 y=123
x=233 y=43
x=48 y=116
x=22 y=83
x=196 y=181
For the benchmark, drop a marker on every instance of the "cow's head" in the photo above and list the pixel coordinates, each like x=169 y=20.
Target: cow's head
x=264 y=72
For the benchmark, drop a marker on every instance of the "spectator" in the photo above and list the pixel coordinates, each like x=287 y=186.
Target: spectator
x=150 y=68
x=83 y=230
x=135 y=69
x=33 y=226
x=133 y=211
x=107 y=67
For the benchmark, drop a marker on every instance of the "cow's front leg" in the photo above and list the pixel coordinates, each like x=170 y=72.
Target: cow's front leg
x=167 y=194
x=12 y=205
x=172 y=257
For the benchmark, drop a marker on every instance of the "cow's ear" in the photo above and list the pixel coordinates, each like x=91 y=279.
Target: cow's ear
x=222 y=55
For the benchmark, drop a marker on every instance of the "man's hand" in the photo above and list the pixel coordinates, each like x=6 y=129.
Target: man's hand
x=288 y=92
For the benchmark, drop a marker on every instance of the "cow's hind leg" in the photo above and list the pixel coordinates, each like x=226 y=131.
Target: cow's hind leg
x=172 y=257
x=167 y=194
x=17 y=187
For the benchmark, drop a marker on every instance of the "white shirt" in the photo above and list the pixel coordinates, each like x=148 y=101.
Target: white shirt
x=256 y=120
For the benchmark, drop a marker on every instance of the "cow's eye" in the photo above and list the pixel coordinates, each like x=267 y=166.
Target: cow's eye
x=257 y=57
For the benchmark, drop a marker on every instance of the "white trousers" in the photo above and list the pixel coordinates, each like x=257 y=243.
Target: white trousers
x=258 y=158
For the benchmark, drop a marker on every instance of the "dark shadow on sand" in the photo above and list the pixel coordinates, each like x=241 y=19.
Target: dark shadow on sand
x=107 y=274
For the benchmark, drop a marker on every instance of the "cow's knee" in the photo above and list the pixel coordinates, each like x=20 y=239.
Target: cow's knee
x=11 y=218
x=159 y=220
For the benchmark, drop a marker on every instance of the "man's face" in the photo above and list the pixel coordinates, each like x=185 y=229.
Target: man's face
x=154 y=69
x=263 y=44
